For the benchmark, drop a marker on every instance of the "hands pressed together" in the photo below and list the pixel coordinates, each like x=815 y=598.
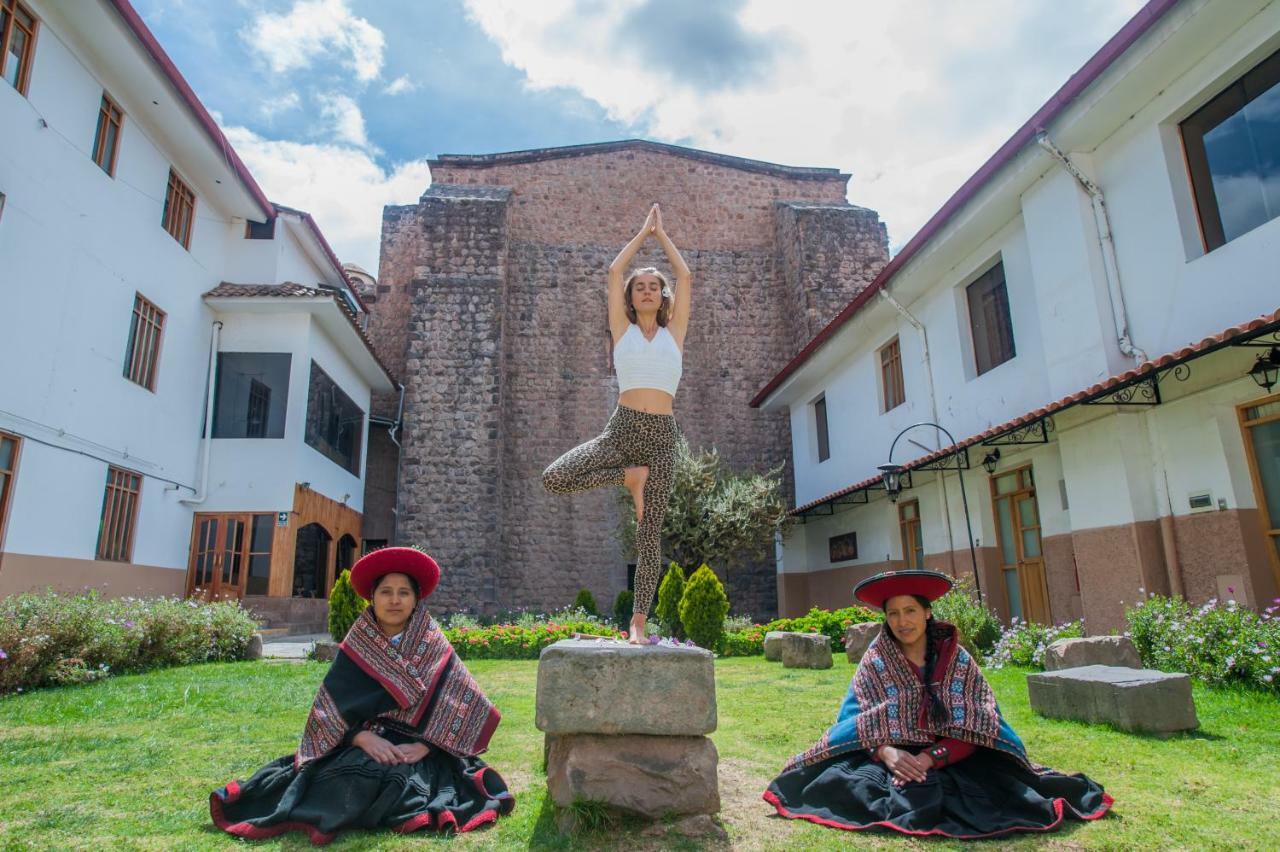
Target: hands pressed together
x=384 y=752
x=905 y=766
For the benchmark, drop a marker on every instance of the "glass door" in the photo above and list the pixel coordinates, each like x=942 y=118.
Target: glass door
x=1260 y=421
x=218 y=556
x=1013 y=498
x=912 y=536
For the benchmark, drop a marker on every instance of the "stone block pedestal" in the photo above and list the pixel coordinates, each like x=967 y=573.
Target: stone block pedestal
x=1141 y=700
x=626 y=726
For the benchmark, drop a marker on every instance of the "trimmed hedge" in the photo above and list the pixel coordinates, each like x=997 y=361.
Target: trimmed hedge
x=519 y=642
x=50 y=639
x=703 y=607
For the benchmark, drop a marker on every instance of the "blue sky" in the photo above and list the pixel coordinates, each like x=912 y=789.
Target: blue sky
x=336 y=104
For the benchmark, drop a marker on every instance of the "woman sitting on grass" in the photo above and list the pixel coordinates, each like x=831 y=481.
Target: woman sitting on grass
x=919 y=745
x=393 y=734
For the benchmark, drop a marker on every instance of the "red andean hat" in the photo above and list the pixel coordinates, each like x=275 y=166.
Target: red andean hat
x=874 y=591
x=395 y=560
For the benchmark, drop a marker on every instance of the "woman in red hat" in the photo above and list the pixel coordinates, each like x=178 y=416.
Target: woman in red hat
x=394 y=733
x=919 y=745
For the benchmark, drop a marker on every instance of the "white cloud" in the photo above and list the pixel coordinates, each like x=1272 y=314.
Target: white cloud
x=400 y=85
x=342 y=187
x=910 y=97
x=315 y=29
x=348 y=121
x=271 y=107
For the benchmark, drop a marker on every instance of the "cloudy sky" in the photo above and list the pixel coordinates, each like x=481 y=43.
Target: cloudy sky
x=336 y=105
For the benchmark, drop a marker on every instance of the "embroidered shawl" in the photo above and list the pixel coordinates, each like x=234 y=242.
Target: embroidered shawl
x=883 y=706
x=420 y=688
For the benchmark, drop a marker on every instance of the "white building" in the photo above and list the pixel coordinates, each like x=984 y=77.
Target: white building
x=154 y=296
x=1043 y=316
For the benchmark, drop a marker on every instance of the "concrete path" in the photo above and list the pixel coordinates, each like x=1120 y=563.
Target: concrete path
x=290 y=647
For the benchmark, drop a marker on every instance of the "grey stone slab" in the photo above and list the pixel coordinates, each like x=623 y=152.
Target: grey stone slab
x=610 y=687
x=858 y=637
x=1092 y=651
x=773 y=646
x=806 y=651
x=645 y=775
x=1140 y=700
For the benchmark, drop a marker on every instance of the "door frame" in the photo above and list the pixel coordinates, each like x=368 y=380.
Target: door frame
x=1033 y=587
x=220 y=590
x=1271 y=526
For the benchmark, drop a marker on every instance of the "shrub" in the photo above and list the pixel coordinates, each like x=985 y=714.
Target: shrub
x=345 y=606
x=979 y=627
x=50 y=639
x=744 y=642
x=670 y=593
x=829 y=622
x=586 y=601
x=703 y=608
x=518 y=642
x=1218 y=643
x=622 y=606
x=1024 y=643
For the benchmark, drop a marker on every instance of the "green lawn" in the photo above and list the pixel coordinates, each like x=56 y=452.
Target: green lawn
x=129 y=762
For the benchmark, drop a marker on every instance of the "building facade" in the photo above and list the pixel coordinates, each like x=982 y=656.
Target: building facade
x=490 y=301
x=184 y=401
x=1093 y=317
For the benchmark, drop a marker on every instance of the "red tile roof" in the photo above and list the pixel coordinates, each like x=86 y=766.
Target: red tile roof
x=289 y=289
x=1252 y=328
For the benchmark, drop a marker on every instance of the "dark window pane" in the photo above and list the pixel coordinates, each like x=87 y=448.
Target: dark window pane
x=252 y=393
x=824 y=445
x=263 y=530
x=990 y=320
x=335 y=424
x=260 y=230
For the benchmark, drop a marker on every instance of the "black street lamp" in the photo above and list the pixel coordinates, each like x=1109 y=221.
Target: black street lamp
x=892 y=478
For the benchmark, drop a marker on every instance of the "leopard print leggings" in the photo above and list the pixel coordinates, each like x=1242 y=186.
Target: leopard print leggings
x=631 y=438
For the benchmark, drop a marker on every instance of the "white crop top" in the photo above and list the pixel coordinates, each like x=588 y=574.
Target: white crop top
x=643 y=363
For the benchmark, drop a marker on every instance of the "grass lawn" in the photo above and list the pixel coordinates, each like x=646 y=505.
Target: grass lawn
x=129 y=762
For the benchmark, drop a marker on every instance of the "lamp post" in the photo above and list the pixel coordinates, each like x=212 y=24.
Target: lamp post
x=892 y=477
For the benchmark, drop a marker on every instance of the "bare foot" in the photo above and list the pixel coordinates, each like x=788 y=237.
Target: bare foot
x=638 y=635
x=634 y=479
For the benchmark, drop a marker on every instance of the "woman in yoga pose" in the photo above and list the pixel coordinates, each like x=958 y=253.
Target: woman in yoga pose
x=919 y=745
x=648 y=320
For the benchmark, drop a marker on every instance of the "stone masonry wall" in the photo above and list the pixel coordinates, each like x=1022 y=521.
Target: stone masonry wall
x=499 y=321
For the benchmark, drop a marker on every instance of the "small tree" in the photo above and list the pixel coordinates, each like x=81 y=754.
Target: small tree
x=669 y=595
x=586 y=601
x=703 y=608
x=715 y=515
x=345 y=607
x=622 y=606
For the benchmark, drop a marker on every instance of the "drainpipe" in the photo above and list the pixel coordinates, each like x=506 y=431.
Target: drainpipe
x=1168 y=534
x=1110 y=266
x=933 y=407
x=395 y=427
x=206 y=445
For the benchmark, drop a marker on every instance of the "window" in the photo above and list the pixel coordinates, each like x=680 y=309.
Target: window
x=106 y=140
x=260 y=230
x=820 y=418
x=335 y=424
x=8 y=468
x=1233 y=155
x=912 y=535
x=252 y=394
x=989 y=319
x=119 y=515
x=179 y=210
x=17 y=41
x=893 y=392
x=143 y=352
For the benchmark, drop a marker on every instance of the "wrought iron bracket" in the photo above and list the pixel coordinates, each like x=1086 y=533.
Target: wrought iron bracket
x=1145 y=391
x=1035 y=432
x=945 y=463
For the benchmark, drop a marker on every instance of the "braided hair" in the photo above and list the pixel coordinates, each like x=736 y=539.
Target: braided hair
x=935 y=707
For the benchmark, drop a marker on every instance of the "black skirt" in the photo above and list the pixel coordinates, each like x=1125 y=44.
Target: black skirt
x=985 y=795
x=349 y=789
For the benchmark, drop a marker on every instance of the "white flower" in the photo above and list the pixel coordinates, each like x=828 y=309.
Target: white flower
x=1267 y=678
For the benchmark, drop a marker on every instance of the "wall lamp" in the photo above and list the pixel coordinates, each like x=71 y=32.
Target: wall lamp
x=990 y=460
x=1266 y=369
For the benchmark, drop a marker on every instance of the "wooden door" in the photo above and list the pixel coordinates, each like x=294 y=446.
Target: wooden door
x=912 y=535
x=1013 y=498
x=1260 y=421
x=217 y=568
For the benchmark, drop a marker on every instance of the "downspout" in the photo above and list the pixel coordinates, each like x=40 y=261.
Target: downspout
x=1168 y=533
x=206 y=446
x=391 y=433
x=933 y=407
x=1110 y=266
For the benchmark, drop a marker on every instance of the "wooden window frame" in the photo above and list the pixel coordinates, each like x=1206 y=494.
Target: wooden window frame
x=905 y=526
x=118 y=525
x=822 y=425
x=984 y=358
x=10 y=9
x=179 y=214
x=1271 y=526
x=109 y=115
x=893 y=391
x=146 y=332
x=11 y=475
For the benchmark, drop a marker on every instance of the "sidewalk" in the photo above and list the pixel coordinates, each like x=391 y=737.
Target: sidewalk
x=291 y=647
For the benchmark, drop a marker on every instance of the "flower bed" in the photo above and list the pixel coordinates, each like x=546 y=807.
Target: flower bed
x=519 y=642
x=52 y=639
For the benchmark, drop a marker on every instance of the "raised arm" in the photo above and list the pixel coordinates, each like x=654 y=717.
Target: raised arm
x=618 y=320
x=678 y=323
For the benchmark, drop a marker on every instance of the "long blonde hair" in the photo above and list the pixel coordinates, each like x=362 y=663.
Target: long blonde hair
x=668 y=295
